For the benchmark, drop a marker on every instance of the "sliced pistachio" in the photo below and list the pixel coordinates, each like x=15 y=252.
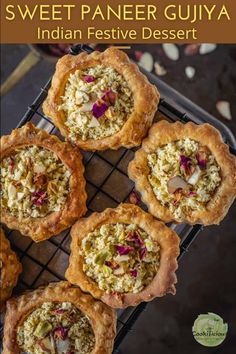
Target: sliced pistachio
x=42 y=329
x=47 y=345
x=100 y=258
x=106 y=270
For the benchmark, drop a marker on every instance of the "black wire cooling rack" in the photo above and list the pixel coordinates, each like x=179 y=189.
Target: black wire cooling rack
x=105 y=173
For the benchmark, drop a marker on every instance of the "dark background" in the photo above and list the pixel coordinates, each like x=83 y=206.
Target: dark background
x=207 y=273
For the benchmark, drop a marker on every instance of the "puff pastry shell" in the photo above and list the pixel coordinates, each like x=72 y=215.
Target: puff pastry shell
x=165 y=278
x=163 y=133
x=10 y=270
x=40 y=229
x=146 y=98
x=102 y=318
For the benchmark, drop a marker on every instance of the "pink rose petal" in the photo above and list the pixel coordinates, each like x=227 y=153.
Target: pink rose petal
x=134 y=273
x=123 y=250
x=191 y=49
x=142 y=253
x=136 y=238
x=39 y=198
x=60 y=333
x=88 y=78
x=138 y=54
x=109 y=97
x=99 y=109
x=12 y=164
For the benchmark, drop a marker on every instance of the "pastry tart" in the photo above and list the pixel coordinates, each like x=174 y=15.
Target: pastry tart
x=42 y=183
x=58 y=319
x=123 y=256
x=101 y=100
x=185 y=173
x=10 y=268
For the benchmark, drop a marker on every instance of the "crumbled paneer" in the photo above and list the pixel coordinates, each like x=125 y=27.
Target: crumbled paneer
x=34 y=182
x=120 y=257
x=197 y=172
x=56 y=328
x=97 y=102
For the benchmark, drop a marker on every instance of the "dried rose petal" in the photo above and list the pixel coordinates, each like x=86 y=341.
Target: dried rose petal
x=191 y=194
x=134 y=198
x=99 y=109
x=134 y=273
x=58 y=311
x=12 y=164
x=202 y=164
x=138 y=54
x=123 y=250
x=136 y=238
x=60 y=333
x=108 y=264
x=201 y=159
x=185 y=165
x=109 y=97
x=39 y=198
x=142 y=253
x=191 y=49
x=112 y=265
x=89 y=78
x=184 y=161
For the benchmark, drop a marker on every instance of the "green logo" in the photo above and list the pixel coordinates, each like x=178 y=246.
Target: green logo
x=209 y=329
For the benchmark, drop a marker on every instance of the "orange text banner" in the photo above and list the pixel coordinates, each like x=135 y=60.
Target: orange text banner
x=131 y=21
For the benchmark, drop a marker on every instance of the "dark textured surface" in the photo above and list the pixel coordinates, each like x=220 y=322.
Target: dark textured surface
x=206 y=275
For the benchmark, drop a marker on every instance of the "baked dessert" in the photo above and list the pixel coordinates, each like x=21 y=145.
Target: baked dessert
x=58 y=319
x=10 y=268
x=123 y=256
x=101 y=100
x=185 y=173
x=42 y=183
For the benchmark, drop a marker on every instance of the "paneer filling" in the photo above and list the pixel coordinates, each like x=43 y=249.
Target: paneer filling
x=120 y=257
x=34 y=182
x=184 y=176
x=97 y=102
x=56 y=328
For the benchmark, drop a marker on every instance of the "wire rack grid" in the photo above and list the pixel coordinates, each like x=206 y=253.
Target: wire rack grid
x=107 y=186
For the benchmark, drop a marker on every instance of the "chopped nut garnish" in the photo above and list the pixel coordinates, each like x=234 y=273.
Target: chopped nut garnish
x=103 y=95
x=56 y=328
x=184 y=175
x=38 y=185
x=120 y=257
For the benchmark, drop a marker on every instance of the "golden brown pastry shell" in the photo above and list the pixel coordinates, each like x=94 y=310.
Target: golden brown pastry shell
x=101 y=317
x=165 y=278
x=146 y=98
x=10 y=271
x=162 y=133
x=40 y=229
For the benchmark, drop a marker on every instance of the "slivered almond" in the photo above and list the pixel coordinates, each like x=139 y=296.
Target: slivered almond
x=176 y=183
x=171 y=51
